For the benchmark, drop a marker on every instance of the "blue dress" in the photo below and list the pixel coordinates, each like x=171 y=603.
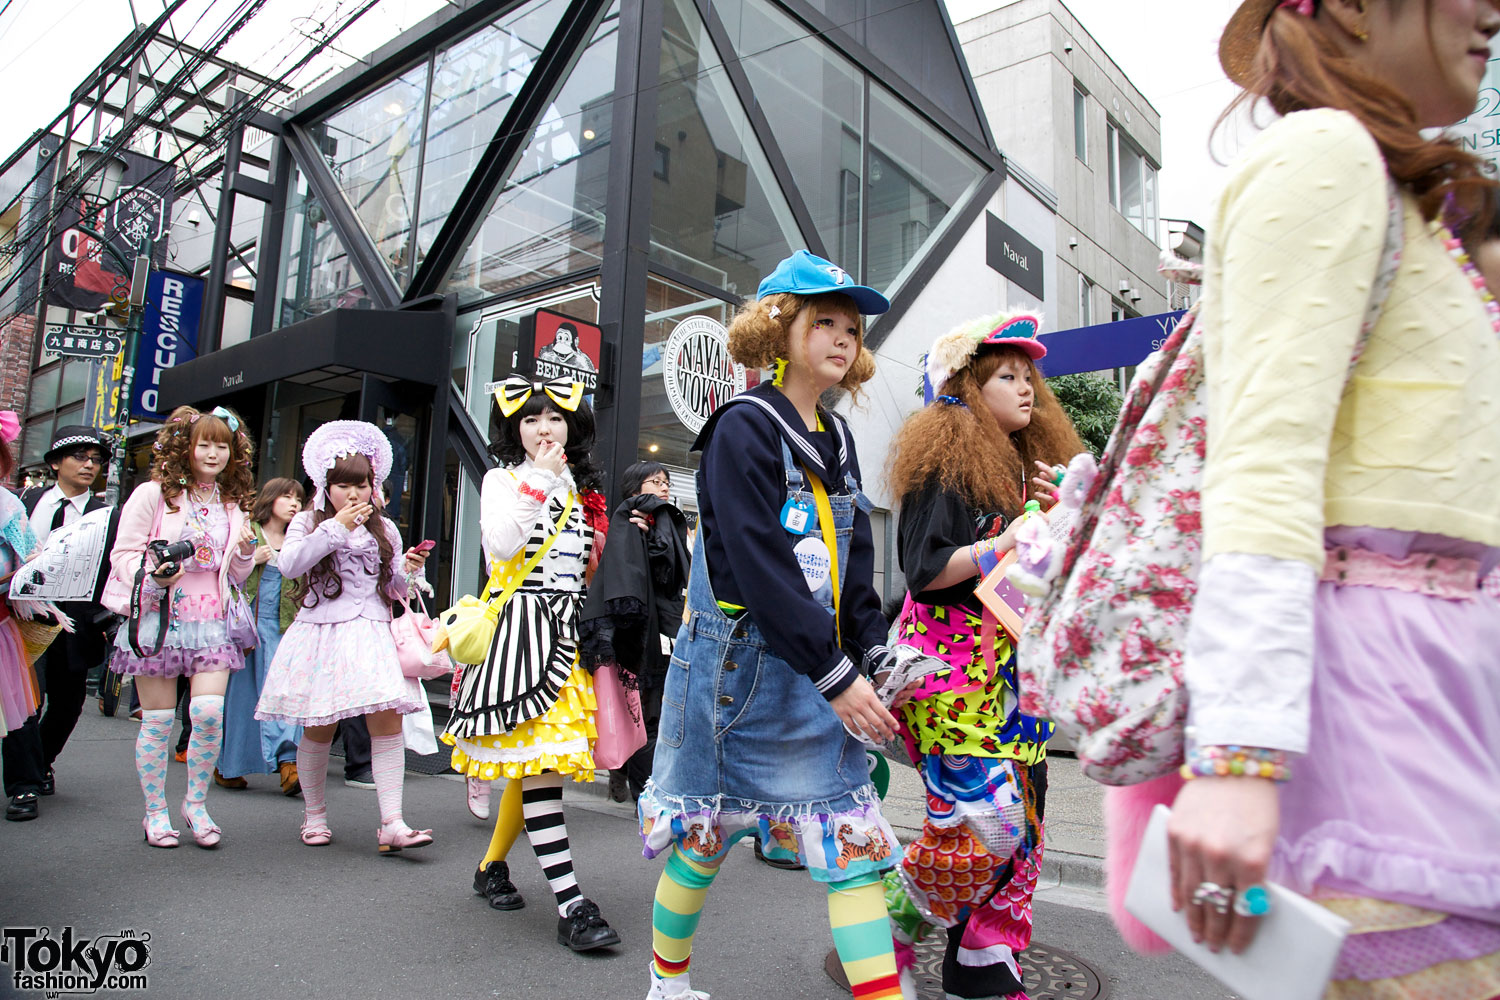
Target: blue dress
x=251 y=746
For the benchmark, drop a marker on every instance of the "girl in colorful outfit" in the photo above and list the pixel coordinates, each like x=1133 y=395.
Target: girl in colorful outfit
x=251 y=746
x=1347 y=520
x=763 y=711
x=199 y=492
x=975 y=865
x=18 y=693
x=527 y=713
x=338 y=660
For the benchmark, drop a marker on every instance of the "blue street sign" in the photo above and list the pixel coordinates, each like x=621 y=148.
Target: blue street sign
x=169 y=335
x=1107 y=345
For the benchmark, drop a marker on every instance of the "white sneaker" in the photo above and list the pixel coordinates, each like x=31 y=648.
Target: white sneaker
x=479 y=797
x=677 y=988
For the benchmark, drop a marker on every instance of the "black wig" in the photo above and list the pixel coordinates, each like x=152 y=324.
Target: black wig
x=505 y=439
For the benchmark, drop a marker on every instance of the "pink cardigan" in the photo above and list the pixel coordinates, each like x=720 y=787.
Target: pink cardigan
x=137 y=518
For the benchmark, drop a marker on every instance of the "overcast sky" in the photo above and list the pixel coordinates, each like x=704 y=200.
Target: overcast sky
x=1167 y=51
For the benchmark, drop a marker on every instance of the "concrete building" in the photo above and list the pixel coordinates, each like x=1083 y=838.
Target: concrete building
x=1063 y=112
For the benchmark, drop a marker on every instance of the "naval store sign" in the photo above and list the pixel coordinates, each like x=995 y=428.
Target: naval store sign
x=698 y=372
x=1014 y=256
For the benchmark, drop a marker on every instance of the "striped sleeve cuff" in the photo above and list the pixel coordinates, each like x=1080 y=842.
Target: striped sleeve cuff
x=835 y=677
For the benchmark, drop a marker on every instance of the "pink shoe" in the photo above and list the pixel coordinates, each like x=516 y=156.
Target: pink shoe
x=395 y=841
x=479 y=798
x=205 y=831
x=315 y=831
x=159 y=833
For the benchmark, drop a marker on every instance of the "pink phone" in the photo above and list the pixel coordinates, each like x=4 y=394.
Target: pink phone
x=426 y=546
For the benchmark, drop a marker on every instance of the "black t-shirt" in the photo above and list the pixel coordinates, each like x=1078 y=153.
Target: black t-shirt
x=934 y=523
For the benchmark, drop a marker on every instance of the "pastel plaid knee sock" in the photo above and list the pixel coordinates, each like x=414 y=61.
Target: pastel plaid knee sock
x=388 y=762
x=862 y=935
x=207 y=714
x=151 y=756
x=312 y=772
x=680 y=893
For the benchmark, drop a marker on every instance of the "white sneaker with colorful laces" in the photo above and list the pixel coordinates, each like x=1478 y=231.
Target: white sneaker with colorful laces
x=677 y=988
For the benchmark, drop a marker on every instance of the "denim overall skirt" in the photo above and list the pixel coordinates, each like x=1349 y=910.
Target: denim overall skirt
x=748 y=745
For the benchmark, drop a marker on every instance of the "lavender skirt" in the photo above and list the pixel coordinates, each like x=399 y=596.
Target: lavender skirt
x=1398 y=797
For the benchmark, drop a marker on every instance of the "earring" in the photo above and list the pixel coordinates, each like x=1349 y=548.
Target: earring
x=779 y=373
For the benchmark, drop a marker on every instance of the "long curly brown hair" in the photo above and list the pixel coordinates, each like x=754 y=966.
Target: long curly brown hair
x=757 y=339
x=323 y=581
x=963 y=449
x=1299 y=67
x=171 y=461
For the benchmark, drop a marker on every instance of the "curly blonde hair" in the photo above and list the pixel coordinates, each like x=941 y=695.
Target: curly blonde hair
x=757 y=339
x=171 y=461
x=963 y=449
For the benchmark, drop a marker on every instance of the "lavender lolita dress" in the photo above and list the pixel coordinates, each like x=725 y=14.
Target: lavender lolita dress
x=338 y=659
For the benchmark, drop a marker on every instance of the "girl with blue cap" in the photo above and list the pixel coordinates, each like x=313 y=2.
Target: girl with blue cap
x=766 y=706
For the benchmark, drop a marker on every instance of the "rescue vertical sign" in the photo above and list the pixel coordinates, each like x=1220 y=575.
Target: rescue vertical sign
x=169 y=335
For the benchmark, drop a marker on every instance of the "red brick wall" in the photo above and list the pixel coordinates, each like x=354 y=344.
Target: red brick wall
x=17 y=336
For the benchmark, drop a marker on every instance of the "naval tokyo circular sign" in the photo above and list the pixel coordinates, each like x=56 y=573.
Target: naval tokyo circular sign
x=699 y=374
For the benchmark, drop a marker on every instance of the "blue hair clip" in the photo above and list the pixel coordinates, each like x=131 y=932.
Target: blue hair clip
x=227 y=417
x=950 y=400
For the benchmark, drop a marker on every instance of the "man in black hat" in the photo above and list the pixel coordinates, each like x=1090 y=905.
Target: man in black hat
x=79 y=456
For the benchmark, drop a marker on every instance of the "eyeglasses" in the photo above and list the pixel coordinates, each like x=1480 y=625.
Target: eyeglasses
x=85 y=455
x=658 y=481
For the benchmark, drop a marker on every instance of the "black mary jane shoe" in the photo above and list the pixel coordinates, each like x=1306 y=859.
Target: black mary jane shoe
x=22 y=807
x=494 y=884
x=584 y=928
x=49 y=783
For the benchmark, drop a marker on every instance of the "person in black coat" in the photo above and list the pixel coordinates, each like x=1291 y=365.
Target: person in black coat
x=78 y=456
x=634 y=604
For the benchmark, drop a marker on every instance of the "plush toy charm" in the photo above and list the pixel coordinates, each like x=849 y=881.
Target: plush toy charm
x=1041 y=541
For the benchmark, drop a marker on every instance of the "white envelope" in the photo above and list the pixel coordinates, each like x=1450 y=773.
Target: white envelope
x=1291 y=956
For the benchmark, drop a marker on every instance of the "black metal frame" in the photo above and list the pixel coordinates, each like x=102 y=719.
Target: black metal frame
x=627 y=225
x=377 y=279
x=512 y=136
x=272 y=229
x=761 y=128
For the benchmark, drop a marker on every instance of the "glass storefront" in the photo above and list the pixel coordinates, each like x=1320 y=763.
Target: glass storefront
x=548 y=220
x=879 y=181
x=319 y=275
x=372 y=148
x=716 y=210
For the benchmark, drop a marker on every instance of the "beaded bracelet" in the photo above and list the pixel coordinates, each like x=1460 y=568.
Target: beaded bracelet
x=527 y=490
x=1236 y=761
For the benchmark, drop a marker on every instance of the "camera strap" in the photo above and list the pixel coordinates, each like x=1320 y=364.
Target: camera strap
x=137 y=612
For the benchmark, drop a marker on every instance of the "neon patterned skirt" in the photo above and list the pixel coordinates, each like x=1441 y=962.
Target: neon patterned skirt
x=561 y=739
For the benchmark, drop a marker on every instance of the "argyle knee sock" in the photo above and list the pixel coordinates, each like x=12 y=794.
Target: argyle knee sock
x=862 y=935
x=388 y=762
x=312 y=772
x=207 y=714
x=151 y=757
x=541 y=809
x=680 y=893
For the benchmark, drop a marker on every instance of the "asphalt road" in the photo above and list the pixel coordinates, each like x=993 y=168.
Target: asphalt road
x=264 y=916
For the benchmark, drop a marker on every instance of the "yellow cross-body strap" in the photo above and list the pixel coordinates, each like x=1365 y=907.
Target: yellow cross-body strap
x=825 y=522
x=493 y=610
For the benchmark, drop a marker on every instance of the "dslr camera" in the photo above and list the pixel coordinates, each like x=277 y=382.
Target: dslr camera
x=168 y=554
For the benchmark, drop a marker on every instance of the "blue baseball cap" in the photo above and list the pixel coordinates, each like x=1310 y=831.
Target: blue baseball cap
x=805 y=273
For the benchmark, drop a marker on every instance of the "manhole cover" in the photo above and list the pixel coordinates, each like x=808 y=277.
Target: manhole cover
x=1050 y=973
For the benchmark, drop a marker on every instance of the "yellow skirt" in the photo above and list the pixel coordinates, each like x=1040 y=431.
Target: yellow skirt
x=561 y=739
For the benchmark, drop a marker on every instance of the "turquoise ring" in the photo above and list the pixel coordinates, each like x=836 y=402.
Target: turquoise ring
x=1253 y=902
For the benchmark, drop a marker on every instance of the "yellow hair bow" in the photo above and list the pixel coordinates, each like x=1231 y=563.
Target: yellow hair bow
x=511 y=393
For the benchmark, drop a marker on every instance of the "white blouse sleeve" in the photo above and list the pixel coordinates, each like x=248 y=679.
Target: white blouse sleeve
x=506 y=514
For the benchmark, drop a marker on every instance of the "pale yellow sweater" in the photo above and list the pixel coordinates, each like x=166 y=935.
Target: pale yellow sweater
x=1413 y=443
